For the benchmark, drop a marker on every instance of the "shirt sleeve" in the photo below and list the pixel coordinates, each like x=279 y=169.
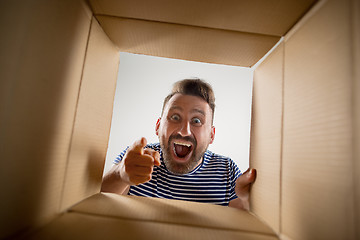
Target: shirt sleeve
x=119 y=158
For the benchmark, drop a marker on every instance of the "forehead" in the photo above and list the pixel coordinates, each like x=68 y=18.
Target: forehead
x=187 y=103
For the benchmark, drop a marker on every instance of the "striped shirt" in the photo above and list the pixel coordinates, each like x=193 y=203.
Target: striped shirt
x=213 y=181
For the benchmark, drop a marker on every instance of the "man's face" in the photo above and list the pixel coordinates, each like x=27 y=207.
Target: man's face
x=185 y=131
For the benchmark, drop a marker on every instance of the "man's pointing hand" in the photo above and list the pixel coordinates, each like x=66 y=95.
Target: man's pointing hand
x=138 y=163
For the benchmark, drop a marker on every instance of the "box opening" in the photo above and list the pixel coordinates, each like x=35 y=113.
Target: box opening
x=143 y=83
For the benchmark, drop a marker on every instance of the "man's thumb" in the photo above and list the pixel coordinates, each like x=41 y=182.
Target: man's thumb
x=245 y=180
x=251 y=175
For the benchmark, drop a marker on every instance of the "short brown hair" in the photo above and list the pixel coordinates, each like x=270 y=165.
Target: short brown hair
x=193 y=87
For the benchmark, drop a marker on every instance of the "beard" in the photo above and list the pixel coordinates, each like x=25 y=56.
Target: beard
x=181 y=168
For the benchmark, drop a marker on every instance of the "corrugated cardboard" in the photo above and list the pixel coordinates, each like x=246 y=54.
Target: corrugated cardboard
x=42 y=53
x=172 y=212
x=318 y=188
x=270 y=17
x=52 y=75
x=92 y=227
x=187 y=42
x=93 y=117
x=317 y=176
x=225 y=32
x=266 y=137
x=318 y=179
x=355 y=16
x=112 y=216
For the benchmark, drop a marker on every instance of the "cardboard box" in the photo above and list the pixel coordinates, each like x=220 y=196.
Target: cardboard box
x=59 y=64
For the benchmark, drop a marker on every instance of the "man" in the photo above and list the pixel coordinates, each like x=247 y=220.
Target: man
x=180 y=166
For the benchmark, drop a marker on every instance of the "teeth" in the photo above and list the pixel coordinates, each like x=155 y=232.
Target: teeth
x=183 y=144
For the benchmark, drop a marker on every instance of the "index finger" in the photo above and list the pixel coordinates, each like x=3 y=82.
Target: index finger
x=139 y=145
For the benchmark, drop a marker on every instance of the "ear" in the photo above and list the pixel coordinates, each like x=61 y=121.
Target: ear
x=157 y=126
x=212 y=134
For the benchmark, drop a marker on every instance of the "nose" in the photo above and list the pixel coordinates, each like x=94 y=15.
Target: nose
x=185 y=129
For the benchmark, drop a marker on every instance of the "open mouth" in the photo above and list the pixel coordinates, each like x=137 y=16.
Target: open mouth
x=181 y=150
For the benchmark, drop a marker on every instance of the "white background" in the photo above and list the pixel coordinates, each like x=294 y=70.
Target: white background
x=143 y=83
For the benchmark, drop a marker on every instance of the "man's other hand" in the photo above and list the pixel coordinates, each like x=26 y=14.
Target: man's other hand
x=242 y=189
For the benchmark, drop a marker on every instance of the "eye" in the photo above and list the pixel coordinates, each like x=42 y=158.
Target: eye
x=196 y=121
x=175 y=117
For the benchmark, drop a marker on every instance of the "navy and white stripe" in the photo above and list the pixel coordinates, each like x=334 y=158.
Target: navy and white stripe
x=213 y=181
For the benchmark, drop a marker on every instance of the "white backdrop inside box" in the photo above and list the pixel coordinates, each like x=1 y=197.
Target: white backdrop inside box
x=143 y=83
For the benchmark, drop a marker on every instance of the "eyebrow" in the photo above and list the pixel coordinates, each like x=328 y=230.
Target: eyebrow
x=196 y=110
x=175 y=108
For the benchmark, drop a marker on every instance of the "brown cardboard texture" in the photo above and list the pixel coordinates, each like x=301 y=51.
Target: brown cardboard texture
x=187 y=42
x=356 y=107
x=154 y=218
x=317 y=151
x=41 y=62
x=227 y=32
x=317 y=176
x=266 y=137
x=187 y=213
x=93 y=118
x=272 y=17
x=59 y=60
